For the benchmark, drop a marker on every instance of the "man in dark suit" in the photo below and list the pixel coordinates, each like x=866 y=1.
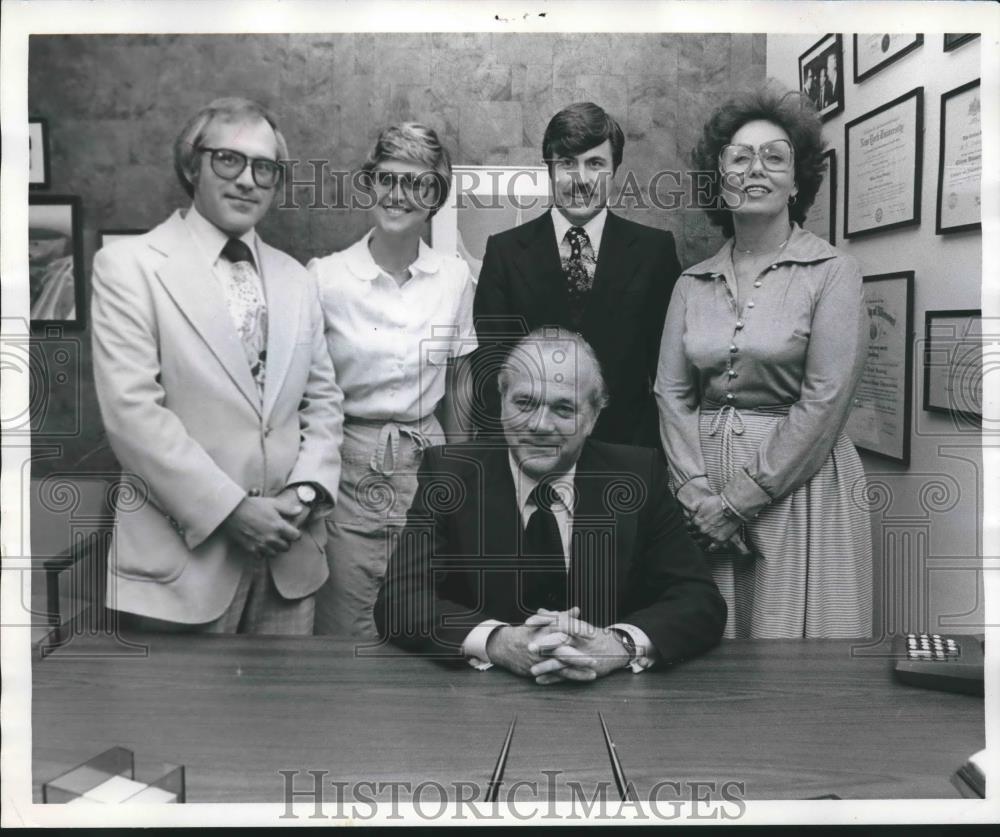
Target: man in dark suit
x=554 y=556
x=585 y=268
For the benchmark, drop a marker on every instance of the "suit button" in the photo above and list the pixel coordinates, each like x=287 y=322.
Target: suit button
x=254 y=492
x=267 y=431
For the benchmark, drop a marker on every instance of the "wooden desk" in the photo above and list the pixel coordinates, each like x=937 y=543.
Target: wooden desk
x=789 y=719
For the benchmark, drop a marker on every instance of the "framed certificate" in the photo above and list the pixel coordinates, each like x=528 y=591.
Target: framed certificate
x=955 y=40
x=953 y=363
x=821 y=75
x=55 y=261
x=880 y=419
x=38 y=154
x=960 y=164
x=883 y=152
x=876 y=52
x=822 y=217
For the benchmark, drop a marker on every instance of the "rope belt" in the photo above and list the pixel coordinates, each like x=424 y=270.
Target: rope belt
x=729 y=421
x=386 y=454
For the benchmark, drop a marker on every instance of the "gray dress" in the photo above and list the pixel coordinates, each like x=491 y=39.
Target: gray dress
x=753 y=400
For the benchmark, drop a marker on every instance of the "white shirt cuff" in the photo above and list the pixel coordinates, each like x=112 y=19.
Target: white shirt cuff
x=474 y=646
x=646 y=653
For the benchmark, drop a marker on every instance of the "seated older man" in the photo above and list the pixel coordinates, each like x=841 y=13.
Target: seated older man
x=554 y=556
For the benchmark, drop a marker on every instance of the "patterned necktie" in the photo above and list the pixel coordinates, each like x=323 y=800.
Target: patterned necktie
x=245 y=300
x=579 y=271
x=543 y=571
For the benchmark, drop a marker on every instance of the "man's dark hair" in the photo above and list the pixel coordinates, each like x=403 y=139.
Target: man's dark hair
x=580 y=127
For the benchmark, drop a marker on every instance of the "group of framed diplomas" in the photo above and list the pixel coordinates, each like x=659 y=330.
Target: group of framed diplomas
x=883 y=148
x=883 y=168
x=951 y=354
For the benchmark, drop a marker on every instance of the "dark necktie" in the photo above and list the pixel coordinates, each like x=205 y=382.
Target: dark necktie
x=247 y=309
x=578 y=278
x=237 y=251
x=543 y=571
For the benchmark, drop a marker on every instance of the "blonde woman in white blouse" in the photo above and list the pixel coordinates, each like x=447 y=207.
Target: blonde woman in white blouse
x=398 y=324
x=762 y=349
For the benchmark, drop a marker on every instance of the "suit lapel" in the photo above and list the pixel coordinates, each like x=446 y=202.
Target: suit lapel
x=617 y=264
x=499 y=533
x=283 y=301
x=187 y=277
x=541 y=271
x=598 y=566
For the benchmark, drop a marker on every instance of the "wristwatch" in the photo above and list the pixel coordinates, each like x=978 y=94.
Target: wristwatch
x=306 y=493
x=626 y=640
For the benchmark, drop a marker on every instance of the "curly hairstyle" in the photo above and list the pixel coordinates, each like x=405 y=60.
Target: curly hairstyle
x=790 y=111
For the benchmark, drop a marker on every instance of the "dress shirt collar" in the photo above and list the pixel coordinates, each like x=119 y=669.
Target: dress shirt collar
x=361 y=263
x=524 y=485
x=802 y=246
x=594 y=227
x=211 y=239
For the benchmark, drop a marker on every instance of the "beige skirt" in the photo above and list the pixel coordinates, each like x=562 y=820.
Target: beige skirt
x=812 y=576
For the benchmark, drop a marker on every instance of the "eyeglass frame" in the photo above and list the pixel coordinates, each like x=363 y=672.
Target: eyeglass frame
x=409 y=181
x=279 y=168
x=756 y=156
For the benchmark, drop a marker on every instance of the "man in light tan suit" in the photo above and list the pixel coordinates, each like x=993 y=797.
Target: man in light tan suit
x=219 y=398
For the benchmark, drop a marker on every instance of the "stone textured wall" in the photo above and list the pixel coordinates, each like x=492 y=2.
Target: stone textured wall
x=115 y=102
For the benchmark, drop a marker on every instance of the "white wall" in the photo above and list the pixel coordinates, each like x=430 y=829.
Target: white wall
x=926 y=521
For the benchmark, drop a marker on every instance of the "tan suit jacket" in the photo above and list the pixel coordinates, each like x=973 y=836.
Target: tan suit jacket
x=193 y=435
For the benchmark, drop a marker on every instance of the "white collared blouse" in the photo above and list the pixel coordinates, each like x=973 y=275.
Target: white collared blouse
x=391 y=344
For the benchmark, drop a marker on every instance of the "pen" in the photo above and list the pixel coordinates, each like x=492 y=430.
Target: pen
x=495 y=781
x=625 y=789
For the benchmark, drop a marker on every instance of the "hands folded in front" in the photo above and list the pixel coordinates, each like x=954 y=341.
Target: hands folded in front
x=553 y=646
x=267 y=525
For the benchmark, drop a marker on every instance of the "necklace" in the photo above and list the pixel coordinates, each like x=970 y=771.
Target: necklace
x=759 y=252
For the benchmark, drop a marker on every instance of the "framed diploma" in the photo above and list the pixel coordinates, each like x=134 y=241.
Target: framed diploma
x=38 y=154
x=880 y=419
x=953 y=363
x=954 y=40
x=960 y=165
x=883 y=151
x=876 y=52
x=822 y=217
x=821 y=75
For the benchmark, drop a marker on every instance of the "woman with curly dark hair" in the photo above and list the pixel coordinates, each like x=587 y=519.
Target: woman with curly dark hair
x=762 y=349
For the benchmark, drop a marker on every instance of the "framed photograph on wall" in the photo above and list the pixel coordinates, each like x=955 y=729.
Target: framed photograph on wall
x=485 y=200
x=876 y=52
x=106 y=237
x=880 y=419
x=822 y=217
x=883 y=153
x=821 y=75
x=953 y=363
x=55 y=261
x=38 y=154
x=955 y=40
x=960 y=161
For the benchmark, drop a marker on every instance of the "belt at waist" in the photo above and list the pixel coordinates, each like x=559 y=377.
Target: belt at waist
x=386 y=453
x=765 y=409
